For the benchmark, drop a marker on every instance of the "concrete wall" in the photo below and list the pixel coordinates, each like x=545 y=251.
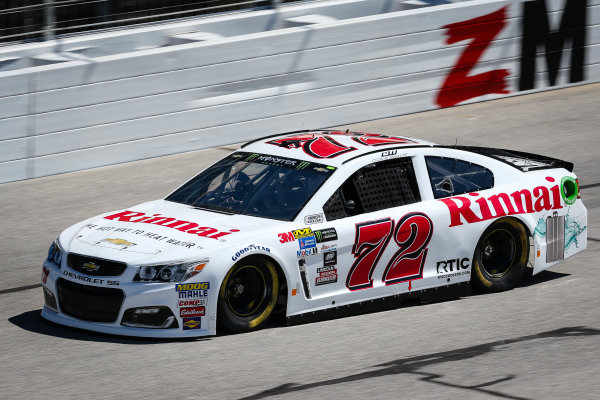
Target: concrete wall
x=101 y=99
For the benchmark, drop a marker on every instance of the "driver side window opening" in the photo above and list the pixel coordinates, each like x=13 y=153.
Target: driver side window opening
x=450 y=177
x=375 y=187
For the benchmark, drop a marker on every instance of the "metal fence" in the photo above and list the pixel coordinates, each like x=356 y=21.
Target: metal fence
x=36 y=20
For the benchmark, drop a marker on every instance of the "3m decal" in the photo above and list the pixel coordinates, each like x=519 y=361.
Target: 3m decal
x=412 y=235
x=502 y=204
x=314 y=146
x=183 y=226
x=192 y=312
x=459 y=86
x=286 y=237
x=191 y=323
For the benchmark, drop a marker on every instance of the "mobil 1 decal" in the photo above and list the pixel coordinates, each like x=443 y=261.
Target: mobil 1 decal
x=409 y=237
x=538 y=36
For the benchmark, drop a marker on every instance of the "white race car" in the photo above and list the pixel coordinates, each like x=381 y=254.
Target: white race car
x=315 y=224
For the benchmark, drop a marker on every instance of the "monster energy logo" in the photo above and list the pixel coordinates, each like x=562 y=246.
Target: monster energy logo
x=325 y=235
x=252 y=157
x=303 y=165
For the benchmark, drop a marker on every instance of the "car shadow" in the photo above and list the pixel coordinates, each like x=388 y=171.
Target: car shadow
x=33 y=322
x=544 y=276
x=420 y=367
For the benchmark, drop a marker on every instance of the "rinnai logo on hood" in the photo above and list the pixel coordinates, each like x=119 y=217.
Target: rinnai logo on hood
x=184 y=226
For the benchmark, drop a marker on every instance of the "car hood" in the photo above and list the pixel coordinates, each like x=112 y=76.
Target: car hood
x=163 y=231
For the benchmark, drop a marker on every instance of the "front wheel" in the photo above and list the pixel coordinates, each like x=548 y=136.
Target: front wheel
x=501 y=255
x=248 y=295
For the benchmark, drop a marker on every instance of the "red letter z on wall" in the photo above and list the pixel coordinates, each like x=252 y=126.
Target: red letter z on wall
x=459 y=86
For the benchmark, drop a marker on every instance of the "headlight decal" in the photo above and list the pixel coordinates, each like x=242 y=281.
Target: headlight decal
x=174 y=272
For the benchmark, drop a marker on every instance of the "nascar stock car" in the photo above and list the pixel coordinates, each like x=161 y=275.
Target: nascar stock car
x=315 y=222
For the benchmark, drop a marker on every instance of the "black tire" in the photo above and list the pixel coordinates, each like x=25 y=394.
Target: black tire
x=248 y=295
x=501 y=255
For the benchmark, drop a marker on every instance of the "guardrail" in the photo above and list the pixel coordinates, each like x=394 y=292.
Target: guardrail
x=101 y=99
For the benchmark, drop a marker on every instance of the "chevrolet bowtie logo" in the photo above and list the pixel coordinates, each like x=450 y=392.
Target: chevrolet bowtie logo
x=90 y=266
x=119 y=242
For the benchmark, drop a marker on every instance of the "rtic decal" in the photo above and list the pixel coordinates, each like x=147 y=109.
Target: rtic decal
x=455 y=264
x=459 y=86
x=183 y=226
x=412 y=235
x=502 y=204
x=314 y=146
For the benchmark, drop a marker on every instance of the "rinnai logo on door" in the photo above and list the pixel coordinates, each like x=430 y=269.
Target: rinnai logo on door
x=537 y=35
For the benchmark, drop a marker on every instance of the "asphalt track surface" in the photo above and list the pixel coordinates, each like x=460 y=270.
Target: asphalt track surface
x=538 y=341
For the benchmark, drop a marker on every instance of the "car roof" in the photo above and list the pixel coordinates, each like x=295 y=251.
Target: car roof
x=329 y=146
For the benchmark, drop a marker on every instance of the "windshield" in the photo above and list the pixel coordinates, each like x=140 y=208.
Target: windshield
x=254 y=184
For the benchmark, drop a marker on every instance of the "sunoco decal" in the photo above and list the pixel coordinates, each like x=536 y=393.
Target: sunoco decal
x=191 y=323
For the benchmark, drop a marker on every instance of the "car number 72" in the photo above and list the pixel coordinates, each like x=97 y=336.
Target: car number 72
x=411 y=235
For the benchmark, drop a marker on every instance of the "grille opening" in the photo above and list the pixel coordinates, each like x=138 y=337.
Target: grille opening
x=89 y=303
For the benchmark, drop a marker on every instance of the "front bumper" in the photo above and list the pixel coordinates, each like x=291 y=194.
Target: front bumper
x=134 y=295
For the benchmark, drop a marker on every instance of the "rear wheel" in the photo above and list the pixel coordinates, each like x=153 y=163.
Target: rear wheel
x=248 y=295
x=501 y=256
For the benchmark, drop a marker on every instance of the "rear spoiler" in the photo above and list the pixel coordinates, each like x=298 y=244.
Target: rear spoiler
x=518 y=159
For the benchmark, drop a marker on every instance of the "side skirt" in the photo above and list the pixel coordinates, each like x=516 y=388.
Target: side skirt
x=424 y=296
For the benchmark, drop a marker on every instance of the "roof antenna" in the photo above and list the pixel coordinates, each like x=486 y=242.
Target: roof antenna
x=347 y=131
x=456 y=142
